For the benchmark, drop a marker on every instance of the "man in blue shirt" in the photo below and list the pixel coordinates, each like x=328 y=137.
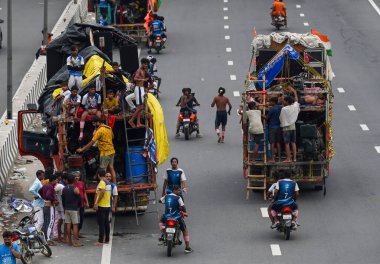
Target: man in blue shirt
x=156 y=29
x=174 y=176
x=9 y=251
x=174 y=208
x=274 y=128
x=38 y=203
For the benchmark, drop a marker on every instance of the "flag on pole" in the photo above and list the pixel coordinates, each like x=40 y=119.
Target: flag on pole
x=325 y=41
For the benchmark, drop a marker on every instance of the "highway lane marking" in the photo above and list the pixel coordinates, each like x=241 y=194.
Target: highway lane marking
x=230 y=63
x=236 y=93
x=364 y=127
x=302 y=15
x=377 y=148
x=275 y=248
x=106 y=250
x=226 y=26
x=225 y=8
x=306 y=24
x=225 y=17
x=298 y=6
x=351 y=107
x=227 y=37
x=225 y=1
x=264 y=212
x=377 y=9
x=340 y=90
x=233 y=77
x=228 y=49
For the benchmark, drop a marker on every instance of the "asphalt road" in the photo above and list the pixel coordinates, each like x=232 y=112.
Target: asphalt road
x=224 y=227
x=27 y=25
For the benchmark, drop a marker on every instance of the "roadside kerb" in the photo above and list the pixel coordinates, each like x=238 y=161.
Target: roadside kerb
x=29 y=91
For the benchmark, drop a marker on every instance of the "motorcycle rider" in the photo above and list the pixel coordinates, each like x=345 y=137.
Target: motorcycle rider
x=153 y=69
x=278 y=8
x=286 y=192
x=174 y=176
x=187 y=102
x=174 y=208
x=156 y=29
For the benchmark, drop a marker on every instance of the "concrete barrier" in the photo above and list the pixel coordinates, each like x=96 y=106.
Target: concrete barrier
x=29 y=91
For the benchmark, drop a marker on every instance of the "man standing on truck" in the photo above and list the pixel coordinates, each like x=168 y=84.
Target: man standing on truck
x=174 y=176
x=103 y=136
x=221 y=103
x=256 y=129
x=75 y=65
x=288 y=117
x=38 y=203
x=274 y=126
x=91 y=102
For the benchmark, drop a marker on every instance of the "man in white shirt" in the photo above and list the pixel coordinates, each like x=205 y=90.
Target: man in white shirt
x=288 y=118
x=256 y=129
x=75 y=65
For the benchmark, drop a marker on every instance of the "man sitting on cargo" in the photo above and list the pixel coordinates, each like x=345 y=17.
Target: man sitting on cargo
x=156 y=29
x=278 y=8
x=111 y=104
x=91 y=103
x=59 y=95
x=72 y=102
x=104 y=137
x=174 y=209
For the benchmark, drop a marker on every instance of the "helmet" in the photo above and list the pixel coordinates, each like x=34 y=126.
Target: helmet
x=149 y=57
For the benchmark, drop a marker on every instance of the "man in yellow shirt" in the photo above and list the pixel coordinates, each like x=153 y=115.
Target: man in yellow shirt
x=102 y=207
x=103 y=136
x=111 y=104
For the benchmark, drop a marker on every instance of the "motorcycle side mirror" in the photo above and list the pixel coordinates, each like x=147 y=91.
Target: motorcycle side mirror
x=1 y=21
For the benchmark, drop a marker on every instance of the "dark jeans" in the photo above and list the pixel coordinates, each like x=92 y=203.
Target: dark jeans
x=103 y=215
x=81 y=216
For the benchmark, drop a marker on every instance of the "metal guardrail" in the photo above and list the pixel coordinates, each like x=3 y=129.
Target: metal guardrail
x=29 y=91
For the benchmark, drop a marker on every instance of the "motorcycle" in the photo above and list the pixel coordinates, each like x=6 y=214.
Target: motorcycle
x=285 y=226
x=158 y=43
x=279 y=21
x=30 y=240
x=155 y=90
x=188 y=122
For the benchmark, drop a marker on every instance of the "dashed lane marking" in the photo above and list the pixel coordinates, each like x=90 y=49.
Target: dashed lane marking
x=298 y=6
x=225 y=8
x=374 y=5
x=233 y=77
x=230 y=63
x=275 y=248
x=228 y=49
x=236 y=93
x=106 y=250
x=306 y=24
x=377 y=148
x=364 y=127
x=225 y=17
x=225 y=1
x=302 y=15
x=351 y=107
x=264 y=212
x=226 y=26
x=341 y=90
x=226 y=37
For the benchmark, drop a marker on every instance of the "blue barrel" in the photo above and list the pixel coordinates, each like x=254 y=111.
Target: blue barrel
x=137 y=171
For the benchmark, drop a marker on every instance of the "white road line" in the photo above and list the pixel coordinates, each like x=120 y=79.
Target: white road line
x=230 y=63
x=306 y=24
x=276 y=251
x=227 y=37
x=106 y=251
x=228 y=49
x=302 y=15
x=225 y=17
x=298 y=6
x=351 y=107
x=225 y=8
x=233 y=77
x=377 y=9
x=236 y=93
x=264 y=212
x=225 y=1
x=226 y=26
x=377 y=149
x=364 y=127
x=340 y=90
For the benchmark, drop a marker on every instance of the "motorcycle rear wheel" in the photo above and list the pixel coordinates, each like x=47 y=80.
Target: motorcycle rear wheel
x=287 y=232
x=46 y=251
x=169 y=244
x=278 y=27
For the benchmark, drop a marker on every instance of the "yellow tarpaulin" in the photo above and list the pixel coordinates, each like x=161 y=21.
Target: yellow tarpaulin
x=92 y=68
x=159 y=129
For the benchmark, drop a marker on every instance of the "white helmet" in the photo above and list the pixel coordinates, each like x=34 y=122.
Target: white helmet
x=149 y=57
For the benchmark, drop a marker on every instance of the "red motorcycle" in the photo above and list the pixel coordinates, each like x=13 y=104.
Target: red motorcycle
x=188 y=122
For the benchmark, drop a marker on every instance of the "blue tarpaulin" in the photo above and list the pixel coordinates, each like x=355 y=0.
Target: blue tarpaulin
x=275 y=65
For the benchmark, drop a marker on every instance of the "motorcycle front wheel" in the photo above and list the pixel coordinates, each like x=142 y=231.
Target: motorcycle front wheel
x=186 y=131
x=169 y=244
x=46 y=251
x=26 y=256
x=287 y=232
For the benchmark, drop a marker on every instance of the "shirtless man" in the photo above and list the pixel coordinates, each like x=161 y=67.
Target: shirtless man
x=221 y=103
x=141 y=77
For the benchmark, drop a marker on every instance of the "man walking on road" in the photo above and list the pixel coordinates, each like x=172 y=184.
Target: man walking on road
x=221 y=103
x=102 y=207
x=38 y=203
x=83 y=199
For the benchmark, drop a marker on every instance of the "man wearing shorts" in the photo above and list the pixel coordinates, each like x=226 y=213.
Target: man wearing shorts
x=274 y=128
x=221 y=103
x=75 y=65
x=71 y=203
x=256 y=129
x=103 y=136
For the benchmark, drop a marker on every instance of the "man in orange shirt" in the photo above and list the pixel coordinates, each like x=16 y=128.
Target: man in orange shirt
x=278 y=8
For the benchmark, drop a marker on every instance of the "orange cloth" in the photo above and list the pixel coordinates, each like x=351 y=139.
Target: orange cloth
x=148 y=18
x=278 y=8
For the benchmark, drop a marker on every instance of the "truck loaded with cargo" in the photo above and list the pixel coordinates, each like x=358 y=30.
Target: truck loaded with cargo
x=296 y=66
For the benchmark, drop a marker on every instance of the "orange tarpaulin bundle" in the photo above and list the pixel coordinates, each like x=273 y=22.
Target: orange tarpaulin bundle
x=148 y=18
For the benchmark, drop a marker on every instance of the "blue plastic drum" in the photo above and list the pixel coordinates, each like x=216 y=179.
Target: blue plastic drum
x=137 y=172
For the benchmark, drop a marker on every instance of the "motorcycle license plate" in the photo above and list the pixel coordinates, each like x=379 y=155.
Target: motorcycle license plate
x=92 y=161
x=170 y=230
x=158 y=40
x=186 y=120
x=287 y=217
